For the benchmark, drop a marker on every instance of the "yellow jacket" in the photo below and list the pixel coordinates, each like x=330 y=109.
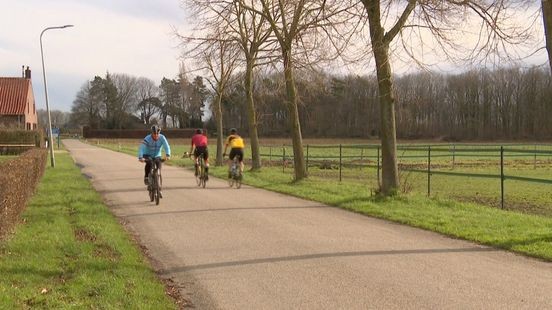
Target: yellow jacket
x=235 y=142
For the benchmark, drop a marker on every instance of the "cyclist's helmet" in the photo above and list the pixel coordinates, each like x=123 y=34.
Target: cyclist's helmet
x=199 y=131
x=155 y=129
x=233 y=131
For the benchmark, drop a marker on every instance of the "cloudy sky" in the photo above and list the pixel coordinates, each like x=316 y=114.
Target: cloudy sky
x=119 y=36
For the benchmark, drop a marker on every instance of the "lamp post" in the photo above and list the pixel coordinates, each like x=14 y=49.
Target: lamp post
x=50 y=140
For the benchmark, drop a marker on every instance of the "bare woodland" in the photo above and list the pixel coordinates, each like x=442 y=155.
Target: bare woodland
x=478 y=105
x=391 y=28
x=266 y=63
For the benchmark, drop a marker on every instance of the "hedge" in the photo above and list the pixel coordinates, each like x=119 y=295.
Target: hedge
x=18 y=180
x=18 y=141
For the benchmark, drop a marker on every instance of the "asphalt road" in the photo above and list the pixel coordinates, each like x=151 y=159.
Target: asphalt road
x=254 y=249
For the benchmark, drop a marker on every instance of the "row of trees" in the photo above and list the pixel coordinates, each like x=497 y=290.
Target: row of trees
x=119 y=101
x=294 y=34
x=508 y=103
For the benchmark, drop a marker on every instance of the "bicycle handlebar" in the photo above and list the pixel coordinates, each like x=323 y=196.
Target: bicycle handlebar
x=152 y=159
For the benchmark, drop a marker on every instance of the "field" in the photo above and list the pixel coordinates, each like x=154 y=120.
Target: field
x=464 y=172
x=4 y=158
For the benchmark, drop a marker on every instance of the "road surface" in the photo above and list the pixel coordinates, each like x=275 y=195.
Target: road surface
x=255 y=249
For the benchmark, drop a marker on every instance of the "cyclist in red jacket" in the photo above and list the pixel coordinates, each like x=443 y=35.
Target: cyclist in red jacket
x=198 y=147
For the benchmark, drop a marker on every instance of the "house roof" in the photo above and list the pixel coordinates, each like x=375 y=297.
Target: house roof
x=13 y=95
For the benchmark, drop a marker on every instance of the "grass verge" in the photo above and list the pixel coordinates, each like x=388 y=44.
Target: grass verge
x=4 y=158
x=70 y=252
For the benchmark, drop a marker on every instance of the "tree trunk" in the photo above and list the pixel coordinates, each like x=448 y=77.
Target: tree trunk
x=252 y=118
x=295 y=126
x=390 y=175
x=220 y=134
x=547 y=20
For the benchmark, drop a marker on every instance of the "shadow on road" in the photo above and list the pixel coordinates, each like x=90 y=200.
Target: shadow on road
x=323 y=255
x=225 y=209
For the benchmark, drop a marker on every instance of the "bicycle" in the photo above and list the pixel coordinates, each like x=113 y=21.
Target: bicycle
x=200 y=169
x=155 y=181
x=235 y=174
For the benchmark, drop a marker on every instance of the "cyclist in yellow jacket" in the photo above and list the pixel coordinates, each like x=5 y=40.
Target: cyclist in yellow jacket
x=236 y=149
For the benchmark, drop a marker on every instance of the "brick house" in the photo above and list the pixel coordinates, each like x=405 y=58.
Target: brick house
x=17 y=102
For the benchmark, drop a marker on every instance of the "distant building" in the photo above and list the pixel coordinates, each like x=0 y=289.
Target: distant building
x=17 y=102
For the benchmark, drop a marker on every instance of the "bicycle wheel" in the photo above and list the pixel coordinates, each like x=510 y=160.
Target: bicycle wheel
x=157 y=188
x=202 y=174
x=198 y=171
x=150 y=188
x=205 y=176
x=231 y=180
x=238 y=180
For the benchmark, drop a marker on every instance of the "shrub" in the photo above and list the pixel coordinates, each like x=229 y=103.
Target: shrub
x=11 y=140
x=18 y=180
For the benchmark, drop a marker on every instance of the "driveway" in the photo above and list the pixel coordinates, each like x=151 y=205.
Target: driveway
x=255 y=249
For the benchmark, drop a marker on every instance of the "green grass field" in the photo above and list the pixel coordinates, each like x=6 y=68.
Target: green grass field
x=70 y=252
x=475 y=162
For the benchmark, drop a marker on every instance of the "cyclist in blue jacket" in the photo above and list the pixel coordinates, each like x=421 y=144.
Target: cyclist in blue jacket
x=151 y=148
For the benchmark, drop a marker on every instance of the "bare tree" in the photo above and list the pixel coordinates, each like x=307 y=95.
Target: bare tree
x=308 y=27
x=85 y=110
x=186 y=97
x=148 y=100
x=445 y=21
x=547 y=20
x=221 y=61
x=125 y=102
x=169 y=93
x=213 y=51
x=251 y=31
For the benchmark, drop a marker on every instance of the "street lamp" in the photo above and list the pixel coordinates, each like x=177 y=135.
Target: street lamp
x=50 y=140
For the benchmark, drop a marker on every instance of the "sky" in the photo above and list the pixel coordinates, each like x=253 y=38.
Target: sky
x=119 y=36
x=134 y=37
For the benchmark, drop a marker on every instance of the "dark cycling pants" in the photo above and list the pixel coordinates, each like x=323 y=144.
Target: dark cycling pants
x=236 y=152
x=201 y=150
x=156 y=161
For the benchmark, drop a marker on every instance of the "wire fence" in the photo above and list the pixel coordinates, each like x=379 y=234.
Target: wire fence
x=430 y=159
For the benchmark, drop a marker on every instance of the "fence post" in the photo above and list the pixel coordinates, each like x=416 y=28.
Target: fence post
x=378 y=166
x=307 y=158
x=340 y=161
x=428 y=171
x=502 y=177
x=361 y=157
x=283 y=158
x=535 y=158
x=270 y=155
x=453 y=155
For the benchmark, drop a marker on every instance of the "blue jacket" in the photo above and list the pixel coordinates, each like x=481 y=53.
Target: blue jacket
x=152 y=148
